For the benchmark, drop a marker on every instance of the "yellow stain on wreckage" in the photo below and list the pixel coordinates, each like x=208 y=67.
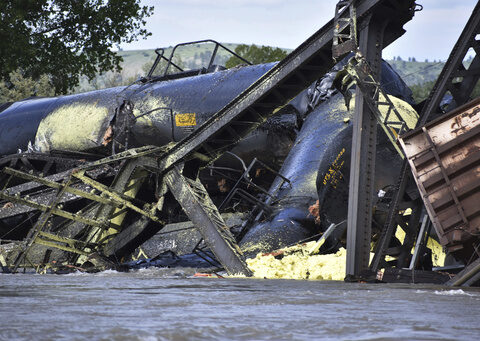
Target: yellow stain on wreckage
x=72 y=127
x=438 y=255
x=295 y=262
x=409 y=115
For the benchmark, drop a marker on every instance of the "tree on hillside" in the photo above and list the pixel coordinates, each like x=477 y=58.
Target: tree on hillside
x=24 y=87
x=65 y=39
x=256 y=55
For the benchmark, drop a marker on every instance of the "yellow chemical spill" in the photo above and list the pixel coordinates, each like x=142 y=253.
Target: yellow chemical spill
x=296 y=263
x=409 y=115
x=72 y=127
x=438 y=255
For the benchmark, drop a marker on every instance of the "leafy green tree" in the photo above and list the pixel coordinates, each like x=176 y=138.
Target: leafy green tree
x=66 y=38
x=112 y=79
x=256 y=55
x=21 y=87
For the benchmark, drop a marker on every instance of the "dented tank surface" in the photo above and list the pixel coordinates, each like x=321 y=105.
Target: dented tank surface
x=165 y=111
x=322 y=147
x=21 y=122
x=291 y=221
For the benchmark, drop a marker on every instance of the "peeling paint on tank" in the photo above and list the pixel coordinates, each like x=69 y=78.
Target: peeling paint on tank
x=73 y=127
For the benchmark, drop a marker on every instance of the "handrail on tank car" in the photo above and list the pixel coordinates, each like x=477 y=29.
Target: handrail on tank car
x=160 y=55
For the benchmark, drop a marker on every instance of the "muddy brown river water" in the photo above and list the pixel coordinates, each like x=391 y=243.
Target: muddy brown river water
x=159 y=304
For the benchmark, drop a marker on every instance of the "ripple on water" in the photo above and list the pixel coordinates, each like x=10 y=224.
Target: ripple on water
x=168 y=305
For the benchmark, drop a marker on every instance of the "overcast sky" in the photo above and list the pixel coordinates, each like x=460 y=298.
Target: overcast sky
x=287 y=23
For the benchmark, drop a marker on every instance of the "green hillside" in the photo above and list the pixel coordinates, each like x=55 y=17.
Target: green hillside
x=419 y=76
x=413 y=72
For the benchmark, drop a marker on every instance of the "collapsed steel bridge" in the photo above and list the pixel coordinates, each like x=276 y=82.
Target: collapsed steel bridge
x=104 y=230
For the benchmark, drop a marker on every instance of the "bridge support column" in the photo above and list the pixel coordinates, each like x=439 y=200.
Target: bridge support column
x=362 y=168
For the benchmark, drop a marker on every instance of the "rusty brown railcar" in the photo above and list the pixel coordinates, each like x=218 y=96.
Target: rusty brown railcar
x=444 y=156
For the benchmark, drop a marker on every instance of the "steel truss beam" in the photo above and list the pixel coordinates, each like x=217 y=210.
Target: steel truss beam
x=455 y=77
x=198 y=206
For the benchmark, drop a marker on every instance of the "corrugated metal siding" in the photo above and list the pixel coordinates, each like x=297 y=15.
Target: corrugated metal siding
x=444 y=156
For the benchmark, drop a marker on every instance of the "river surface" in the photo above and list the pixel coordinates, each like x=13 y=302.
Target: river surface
x=158 y=304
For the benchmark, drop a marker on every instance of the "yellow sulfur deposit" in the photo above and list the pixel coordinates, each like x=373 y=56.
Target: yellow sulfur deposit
x=77 y=126
x=438 y=255
x=409 y=115
x=295 y=263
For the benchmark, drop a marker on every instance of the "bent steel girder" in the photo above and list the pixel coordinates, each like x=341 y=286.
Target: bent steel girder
x=197 y=204
x=92 y=222
x=455 y=77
